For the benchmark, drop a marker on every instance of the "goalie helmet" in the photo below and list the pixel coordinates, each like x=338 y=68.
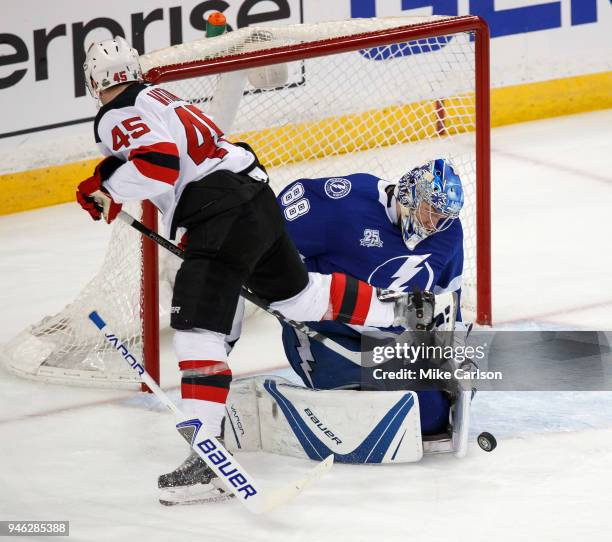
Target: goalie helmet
x=109 y=63
x=430 y=198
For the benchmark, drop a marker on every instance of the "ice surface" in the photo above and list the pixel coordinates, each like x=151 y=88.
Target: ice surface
x=93 y=456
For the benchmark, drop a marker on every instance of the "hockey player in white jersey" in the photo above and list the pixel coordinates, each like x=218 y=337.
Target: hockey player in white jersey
x=161 y=148
x=391 y=235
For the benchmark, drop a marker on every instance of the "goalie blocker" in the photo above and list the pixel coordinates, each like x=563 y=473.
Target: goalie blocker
x=273 y=415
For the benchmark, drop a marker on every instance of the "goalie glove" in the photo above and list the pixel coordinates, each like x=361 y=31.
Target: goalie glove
x=92 y=196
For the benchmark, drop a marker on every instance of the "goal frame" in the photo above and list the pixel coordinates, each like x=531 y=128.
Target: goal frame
x=256 y=59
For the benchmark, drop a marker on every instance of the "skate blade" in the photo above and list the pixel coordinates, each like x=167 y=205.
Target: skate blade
x=198 y=494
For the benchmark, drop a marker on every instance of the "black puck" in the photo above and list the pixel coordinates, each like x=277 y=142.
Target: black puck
x=487 y=441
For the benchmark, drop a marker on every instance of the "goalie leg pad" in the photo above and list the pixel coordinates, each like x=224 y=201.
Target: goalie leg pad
x=356 y=426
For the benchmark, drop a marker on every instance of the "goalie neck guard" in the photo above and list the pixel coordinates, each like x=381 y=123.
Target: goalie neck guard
x=430 y=198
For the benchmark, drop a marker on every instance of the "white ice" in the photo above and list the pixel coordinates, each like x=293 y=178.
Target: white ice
x=92 y=457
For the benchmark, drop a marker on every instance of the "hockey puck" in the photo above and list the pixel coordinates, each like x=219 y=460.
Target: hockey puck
x=487 y=441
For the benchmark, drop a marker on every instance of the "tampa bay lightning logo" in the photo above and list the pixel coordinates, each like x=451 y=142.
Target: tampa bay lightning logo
x=401 y=272
x=337 y=187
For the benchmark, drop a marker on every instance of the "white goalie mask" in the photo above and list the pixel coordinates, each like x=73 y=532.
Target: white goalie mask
x=109 y=63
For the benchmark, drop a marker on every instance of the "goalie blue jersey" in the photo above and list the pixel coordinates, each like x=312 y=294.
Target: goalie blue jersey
x=349 y=224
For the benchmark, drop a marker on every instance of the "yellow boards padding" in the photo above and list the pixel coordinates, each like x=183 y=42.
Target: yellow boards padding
x=42 y=187
x=369 y=129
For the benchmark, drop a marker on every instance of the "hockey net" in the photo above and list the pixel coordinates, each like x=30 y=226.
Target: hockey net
x=326 y=99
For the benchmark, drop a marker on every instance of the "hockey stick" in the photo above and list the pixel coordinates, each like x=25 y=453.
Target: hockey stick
x=235 y=478
x=354 y=357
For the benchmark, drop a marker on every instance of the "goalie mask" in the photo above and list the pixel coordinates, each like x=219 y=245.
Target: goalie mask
x=109 y=63
x=430 y=198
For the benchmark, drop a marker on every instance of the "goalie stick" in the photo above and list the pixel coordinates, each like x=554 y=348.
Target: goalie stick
x=354 y=357
x=237 y=480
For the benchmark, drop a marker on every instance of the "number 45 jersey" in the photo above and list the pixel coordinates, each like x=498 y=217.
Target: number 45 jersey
x=165 y=144
x=349 y=225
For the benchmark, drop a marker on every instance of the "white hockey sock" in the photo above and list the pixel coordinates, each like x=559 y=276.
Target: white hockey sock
x=206 y=376
x=210 y=412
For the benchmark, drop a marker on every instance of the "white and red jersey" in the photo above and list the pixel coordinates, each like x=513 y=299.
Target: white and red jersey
x=165 y=142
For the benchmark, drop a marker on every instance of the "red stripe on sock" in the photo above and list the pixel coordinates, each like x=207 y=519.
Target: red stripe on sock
x=198 y=363
x=204 y=393
x=362 y=307
x=336 y=293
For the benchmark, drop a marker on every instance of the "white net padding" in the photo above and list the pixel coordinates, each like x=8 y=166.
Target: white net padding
x=381 y=110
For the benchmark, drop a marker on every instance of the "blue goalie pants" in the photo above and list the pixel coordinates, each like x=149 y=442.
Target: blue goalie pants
x=320 y=368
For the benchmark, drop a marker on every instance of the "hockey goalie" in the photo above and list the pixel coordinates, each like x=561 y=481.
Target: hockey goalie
x=395 y=236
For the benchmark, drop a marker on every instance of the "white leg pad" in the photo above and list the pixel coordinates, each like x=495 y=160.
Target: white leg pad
x=242 y=431
x=273 y=415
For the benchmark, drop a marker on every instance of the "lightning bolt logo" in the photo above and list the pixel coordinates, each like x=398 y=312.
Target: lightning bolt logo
x=406 y=271
x=305 y=354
